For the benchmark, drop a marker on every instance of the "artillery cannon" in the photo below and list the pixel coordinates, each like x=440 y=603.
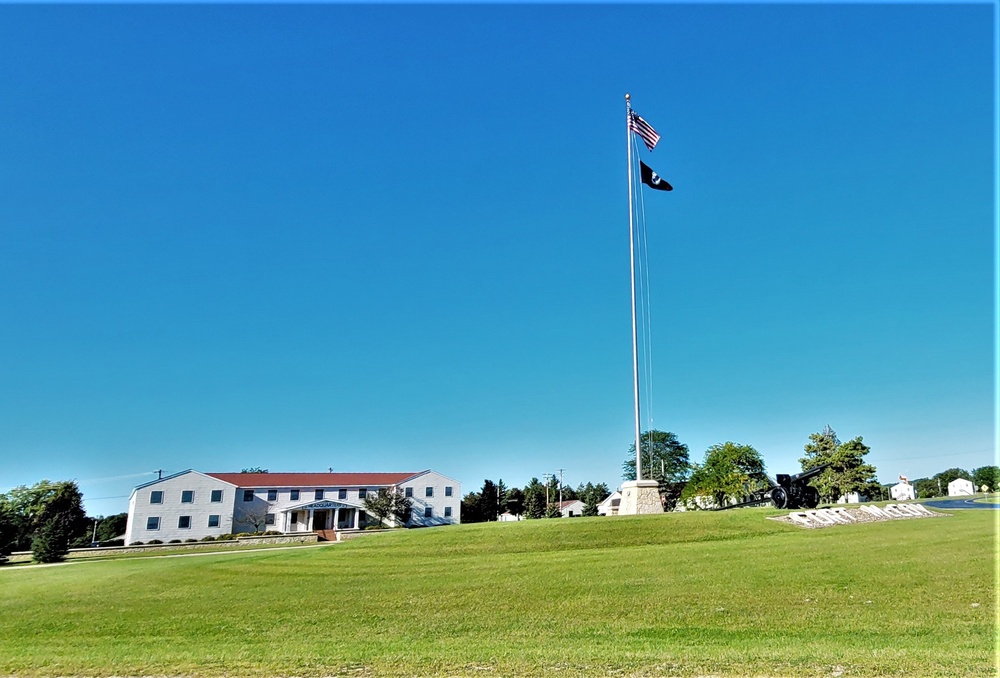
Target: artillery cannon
x=792 y=491
x=789 y=492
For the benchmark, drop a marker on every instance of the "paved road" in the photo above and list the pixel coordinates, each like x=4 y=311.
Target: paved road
x=959 y=504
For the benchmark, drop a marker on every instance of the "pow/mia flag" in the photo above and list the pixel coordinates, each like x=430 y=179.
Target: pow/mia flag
x=652 y=179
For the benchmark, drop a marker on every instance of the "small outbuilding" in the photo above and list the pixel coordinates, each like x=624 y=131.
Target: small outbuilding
x=609 y=507
x=961 y=487
x=902 y=491
x=572 y=508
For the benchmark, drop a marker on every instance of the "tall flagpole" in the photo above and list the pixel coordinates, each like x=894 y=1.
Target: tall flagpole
x=631 y=251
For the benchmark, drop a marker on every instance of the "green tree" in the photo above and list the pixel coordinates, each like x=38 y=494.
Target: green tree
x=471 y=505
x=730 y=473
x=847 y=472
x=925 y=488
x=515 y=501
x=386 y=503
x=111 y=527
x=534 y=499
x=59 y=521
x=664 y=459
x=6 y=533
x=986 y=475
x=488 y=501
x=254 y=469
x=591 y=495
x=553 y=510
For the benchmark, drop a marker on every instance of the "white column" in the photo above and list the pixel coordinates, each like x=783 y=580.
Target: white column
x=356 y=512
x=336 y=518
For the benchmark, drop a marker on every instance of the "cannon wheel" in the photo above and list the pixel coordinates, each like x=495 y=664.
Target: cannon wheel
x=810 y=497
x=780 y=497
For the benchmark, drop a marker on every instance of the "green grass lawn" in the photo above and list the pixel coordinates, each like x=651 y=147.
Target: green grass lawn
x=727 y=593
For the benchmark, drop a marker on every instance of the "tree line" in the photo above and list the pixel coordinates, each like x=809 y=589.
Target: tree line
x=48 y=519
x=535 y=500
x=732 y=472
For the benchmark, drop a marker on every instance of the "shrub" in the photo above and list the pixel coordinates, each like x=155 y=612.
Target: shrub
x=208 y=538
x=246 y=534
x=51 y=543
x=154 y=541
x=273 y=532
x=115 y=542
x=174 y=541
x=188 y=541
x=136 y=543
x=229 y=536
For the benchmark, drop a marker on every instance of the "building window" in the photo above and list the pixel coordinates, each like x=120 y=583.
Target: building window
x=295 y=517
x=447 y=512
x=269 y=519
x=428 y=512
x=319 y=494
x=247 y=495
x=156 y=497
x=152 y=523
x=213 y=521
x=216 y=496
x=447 y=491
x=362 y=493
x=187 y=496
x=341 y=494
x=429 y=492
x=409 y=492
x=272 y=495
x=184 y=522
x=294 y=495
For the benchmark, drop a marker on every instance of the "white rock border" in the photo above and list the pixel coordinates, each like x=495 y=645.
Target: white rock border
x=814 y=519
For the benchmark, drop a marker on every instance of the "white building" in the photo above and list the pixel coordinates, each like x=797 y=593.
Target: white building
x=961 y=487
x=193 y=505
x=571 y=508
x=609 y=507
x=902 y=491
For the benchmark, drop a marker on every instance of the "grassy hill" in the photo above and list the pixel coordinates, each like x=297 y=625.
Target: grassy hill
x=681 y=594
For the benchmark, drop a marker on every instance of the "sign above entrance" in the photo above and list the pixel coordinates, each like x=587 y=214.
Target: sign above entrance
x=317 y=505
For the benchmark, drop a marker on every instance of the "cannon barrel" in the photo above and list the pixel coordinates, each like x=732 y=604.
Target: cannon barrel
x=806 y=475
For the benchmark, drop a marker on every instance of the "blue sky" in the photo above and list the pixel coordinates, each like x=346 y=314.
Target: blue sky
x=388 y=238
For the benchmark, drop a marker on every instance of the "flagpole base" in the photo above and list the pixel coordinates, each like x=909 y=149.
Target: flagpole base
x=640 y=497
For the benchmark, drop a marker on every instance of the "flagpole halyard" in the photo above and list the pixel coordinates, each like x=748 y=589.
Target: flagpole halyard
x=631 y=250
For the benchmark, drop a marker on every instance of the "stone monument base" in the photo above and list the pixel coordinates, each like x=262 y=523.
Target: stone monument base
x=640 y=496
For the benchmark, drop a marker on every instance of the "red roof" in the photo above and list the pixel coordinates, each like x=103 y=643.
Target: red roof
x=312 y=479
x=568 y=502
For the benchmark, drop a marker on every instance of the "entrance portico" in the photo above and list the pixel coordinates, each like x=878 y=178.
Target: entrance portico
x=321 y=515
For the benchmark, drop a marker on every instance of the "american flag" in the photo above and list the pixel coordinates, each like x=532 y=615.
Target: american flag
x=642 y=128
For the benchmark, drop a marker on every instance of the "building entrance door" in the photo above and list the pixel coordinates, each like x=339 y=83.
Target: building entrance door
x=319 y=520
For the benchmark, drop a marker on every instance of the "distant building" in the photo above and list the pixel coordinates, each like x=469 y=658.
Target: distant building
x=902 y=491
x=193 y=505
x=571 y=508
x=960 y=487
x=609 y=507
x=850 y=498
x=508 y=517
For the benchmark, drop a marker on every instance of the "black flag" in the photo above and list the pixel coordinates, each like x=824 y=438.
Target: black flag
x=652 y=179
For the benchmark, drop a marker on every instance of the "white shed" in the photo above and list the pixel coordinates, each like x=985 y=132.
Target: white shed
x=902 y=491
x=961 y=487
x=571 y=508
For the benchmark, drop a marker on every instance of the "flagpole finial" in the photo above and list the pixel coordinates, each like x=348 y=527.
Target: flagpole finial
x=627 y=96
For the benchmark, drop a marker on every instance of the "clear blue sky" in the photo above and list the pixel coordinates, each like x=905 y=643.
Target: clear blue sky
x=388 y=238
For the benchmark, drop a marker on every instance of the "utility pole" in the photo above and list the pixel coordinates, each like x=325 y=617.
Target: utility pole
x=547 y=476
x=560 y=487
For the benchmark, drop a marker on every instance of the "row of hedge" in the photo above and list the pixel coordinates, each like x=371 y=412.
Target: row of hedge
x=221 y=537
